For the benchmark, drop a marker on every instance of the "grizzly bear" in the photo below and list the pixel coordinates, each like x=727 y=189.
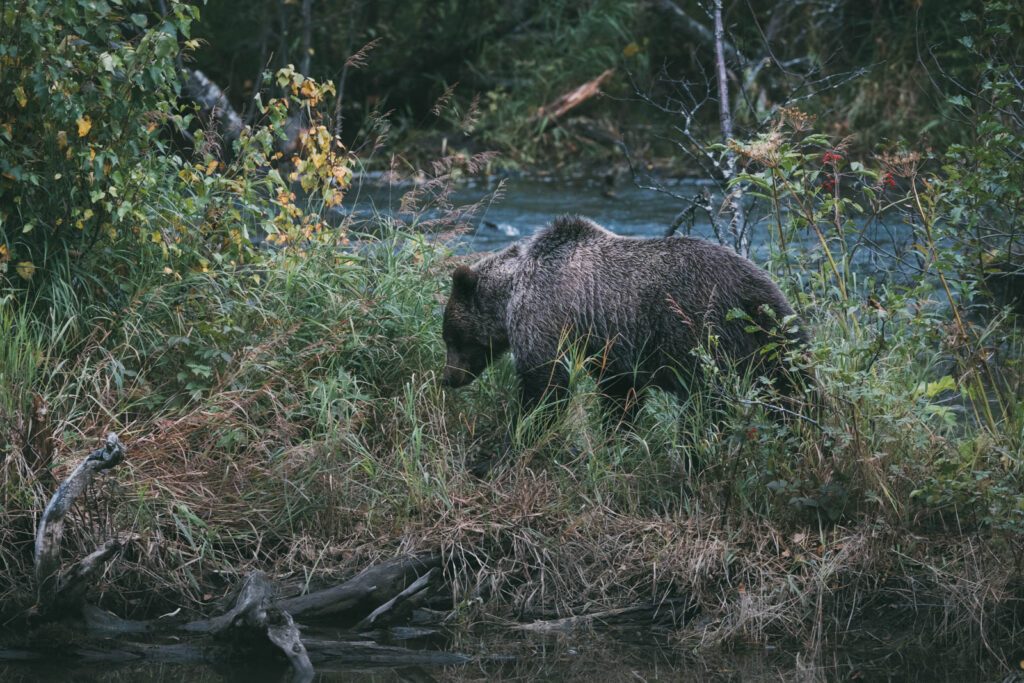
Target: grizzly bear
x=640 y=306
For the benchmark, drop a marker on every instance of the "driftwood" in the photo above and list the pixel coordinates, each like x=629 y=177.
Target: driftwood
x=258 y=618
x=572 y=99
x=390 y=610
x=669 y=612
x=392 y=595
x=383 y=593
x=53 y=590
x=254 y=615
x=373 y=587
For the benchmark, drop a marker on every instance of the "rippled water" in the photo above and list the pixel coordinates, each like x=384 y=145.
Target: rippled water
x=876 y=245
x=501 y=656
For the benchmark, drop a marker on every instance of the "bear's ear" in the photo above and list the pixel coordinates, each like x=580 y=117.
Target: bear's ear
x=464 y=280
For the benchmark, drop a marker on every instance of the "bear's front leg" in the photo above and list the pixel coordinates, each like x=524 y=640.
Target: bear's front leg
x=548 y=382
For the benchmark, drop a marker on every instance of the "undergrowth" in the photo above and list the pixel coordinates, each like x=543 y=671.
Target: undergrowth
x=289 y=418
x=282 y=412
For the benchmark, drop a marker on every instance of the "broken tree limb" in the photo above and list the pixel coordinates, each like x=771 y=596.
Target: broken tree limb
x=50 y=531
x=413 y=589
x=73 y=583
x=367 y=590
x=572 y=99
x=671 y=611
x=255 y=614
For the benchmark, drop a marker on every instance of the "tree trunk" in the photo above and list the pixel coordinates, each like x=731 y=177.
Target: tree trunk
x=307 y=36
x=734 y=199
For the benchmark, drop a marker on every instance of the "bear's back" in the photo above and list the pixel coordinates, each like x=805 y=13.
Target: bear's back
x=575 y=238
x=631 y=286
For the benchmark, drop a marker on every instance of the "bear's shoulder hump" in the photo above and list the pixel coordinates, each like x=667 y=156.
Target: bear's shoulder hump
x=565 y=231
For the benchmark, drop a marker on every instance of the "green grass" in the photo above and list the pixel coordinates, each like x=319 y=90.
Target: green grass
x=287 y=416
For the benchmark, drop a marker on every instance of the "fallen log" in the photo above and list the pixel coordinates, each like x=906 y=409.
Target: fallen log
x=390 y=608
x=325 y=653
x=673 y=612
x=255 y=615
x=366 y=591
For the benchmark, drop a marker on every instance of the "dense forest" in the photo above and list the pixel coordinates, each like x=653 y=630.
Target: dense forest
x=227 y=234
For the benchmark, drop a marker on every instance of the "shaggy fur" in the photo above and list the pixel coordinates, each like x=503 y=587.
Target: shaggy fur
x=640 y=305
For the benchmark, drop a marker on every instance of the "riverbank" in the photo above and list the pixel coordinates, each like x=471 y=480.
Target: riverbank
x=289 y=420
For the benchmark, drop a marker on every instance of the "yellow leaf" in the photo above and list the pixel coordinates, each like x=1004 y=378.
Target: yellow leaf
x=211 y=167
x=630 y=50
x=26 y=269
x=19 y=94
x=62 y=139
x=4 y=253
x=84 y=126
x=341 y=174
x=156 y=237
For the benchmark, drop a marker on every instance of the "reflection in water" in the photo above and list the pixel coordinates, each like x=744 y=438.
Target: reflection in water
x=501 y=656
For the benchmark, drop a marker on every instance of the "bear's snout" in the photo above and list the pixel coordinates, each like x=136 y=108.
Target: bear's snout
x=455 y=377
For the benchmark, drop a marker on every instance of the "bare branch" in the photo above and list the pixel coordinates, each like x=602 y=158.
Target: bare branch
x=50 y=531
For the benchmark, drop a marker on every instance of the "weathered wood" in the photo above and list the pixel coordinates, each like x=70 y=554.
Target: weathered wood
x=323 y=652
x=674 y=612
x=73 y=583
x=367 y=590
x=50 y=531
x=573 y=98
x=389 y=607
x=100 y=621
x=255 y=615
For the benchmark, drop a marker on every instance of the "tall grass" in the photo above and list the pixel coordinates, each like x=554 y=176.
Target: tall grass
x=286 y=415
x=289 y=417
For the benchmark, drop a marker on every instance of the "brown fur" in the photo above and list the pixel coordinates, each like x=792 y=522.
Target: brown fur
x=642 y=305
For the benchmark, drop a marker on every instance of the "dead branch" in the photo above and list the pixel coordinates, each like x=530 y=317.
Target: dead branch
x=573 y=98
x=254 y=615
x=374 y=586
x=50 y=531
x=76 y=581
x=696 y=30
x=673 y=612
x=415 y=589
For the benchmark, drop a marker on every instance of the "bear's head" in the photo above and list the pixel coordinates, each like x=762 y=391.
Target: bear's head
x=473 y=329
